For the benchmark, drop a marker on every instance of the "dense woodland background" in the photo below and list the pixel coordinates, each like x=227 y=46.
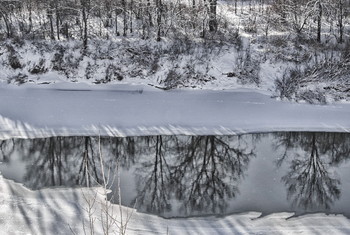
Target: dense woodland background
x=105 y=19
x=302 y=46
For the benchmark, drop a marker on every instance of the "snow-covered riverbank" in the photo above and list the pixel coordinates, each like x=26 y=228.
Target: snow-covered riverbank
x=61 y=211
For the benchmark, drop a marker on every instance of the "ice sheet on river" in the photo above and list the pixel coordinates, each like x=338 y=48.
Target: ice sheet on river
x=125 y=110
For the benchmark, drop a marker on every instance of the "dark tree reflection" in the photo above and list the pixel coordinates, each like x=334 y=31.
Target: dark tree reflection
x=207 y=170
x=153 y=184
x=46 y=159
x=123 y=149
x=68 y=161
x=336 y=145
x=7 y=147
x=285 y=141
x=87 y=159
x=311 y=183
x=200 y=173
x=58 y=161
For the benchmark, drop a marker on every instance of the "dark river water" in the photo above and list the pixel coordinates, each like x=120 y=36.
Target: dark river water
x=195 y=175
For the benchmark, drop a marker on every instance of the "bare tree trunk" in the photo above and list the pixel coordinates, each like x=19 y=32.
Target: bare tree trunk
x=66 y=30
x=57 y=21
x=50 y=16
x=30 y=16
x=7 y=24
x=116 y=22
x=235 y=7
x=130 y=15
x=125 y=26
x=149 y=13
x=108 y=21
x=340 y=21
x=213 y=24
x=159 y=18
x=85 y=6
x=319 y=21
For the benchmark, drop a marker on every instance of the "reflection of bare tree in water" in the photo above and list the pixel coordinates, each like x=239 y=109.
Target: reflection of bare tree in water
x=336 y=145
x=286 y=141
x=46 y=157
x=200 y=171
x=123 y=150
x=310 y=183
x=75 y=158
x=67 y=160
x=206 y=173
x=58 y=161
x=89 y=173
x=153 y=183
x=7 y=147
x=115 y=150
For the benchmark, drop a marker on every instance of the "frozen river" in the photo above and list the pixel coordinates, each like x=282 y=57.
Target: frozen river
x=135 y=110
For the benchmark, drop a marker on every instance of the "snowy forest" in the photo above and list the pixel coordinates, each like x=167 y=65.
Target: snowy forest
x=295 y=49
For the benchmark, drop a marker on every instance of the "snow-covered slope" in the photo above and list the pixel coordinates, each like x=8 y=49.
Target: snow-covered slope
x=62 y=211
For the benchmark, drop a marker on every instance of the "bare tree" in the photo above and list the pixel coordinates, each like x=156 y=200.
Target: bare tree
x=213 y=23
x=153 y=190
x=207 y=171
x=310 y=182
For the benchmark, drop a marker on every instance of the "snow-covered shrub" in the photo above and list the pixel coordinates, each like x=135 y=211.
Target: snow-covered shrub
x=57 y=60
x=38 y=68
x=172 y=80
x=71 y=64
x=101 y=51
x=250 y=25
x=13 y=58
x=288 y=84
x=41 y=47
x=14 y=62
x=278 y=41
x=249 y=75
x=89 y=71
x=112 y=73
x=313 y=97
x=18 y=79
x=154 y=65
x=67 y=59
x=247 y=68
x=17 y=42
x=346 y=51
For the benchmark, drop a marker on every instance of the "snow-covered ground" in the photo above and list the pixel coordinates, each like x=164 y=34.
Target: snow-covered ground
x=62 y=211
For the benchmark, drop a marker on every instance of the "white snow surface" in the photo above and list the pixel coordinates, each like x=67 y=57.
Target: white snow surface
x=66 y=109
x=62 y=211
